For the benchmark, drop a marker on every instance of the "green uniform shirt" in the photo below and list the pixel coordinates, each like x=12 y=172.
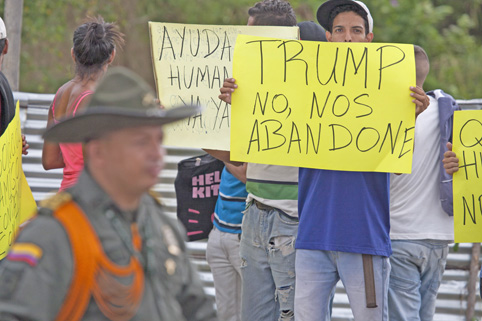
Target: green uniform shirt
x=36 y=290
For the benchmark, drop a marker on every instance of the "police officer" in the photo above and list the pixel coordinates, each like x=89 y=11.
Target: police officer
x=104 y=250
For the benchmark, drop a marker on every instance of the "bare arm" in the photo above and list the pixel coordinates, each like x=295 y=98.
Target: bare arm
x=51 y=153
x=238 y=171
x=222 y=155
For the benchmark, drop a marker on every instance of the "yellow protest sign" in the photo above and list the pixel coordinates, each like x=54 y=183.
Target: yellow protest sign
x=467 y=183
x=28 y=206
x=16 y=201
x=190 y=65
x=340 y=106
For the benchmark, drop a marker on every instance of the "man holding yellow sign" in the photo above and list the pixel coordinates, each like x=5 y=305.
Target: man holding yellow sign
x=344 y=215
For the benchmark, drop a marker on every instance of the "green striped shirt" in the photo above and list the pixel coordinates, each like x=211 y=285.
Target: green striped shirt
x=275 y=186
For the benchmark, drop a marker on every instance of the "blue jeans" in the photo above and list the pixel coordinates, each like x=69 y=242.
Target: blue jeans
x=267 y=265
x=317 y=273
x=417 y=269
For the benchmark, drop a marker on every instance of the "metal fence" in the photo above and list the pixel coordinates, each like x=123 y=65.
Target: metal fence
x=451 y=300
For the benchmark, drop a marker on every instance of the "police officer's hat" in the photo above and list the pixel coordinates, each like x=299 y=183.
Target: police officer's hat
x=122 y=99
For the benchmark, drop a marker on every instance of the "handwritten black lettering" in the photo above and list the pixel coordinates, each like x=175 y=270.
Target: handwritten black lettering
x=384 y=65
x=4 y=160
x=373 y=144
x=365 y=105
x=315 y=102
x=216 y=76
x=225 y=115
x=293 y=58
x=364 y=57
x=165 y=45
x=346 y=130
x=175 y=76
x=197 y=101
x=346 y=108
x=261 y=42
x=465 y=164
x=478 y=140
x=201 y=76
x=10 y=171
x=279 y=104
x=294 y=132
x=262 y=105
x=405 y=140
x=191 y=42
x=226 y=46
x=190 y=77
x=273 y=132
x=205 y=76
x=309 y=138
x=283 y=103
x=254 y=136
x=468 y=210
x=182 y=37
x=392 y=141
x=333 y=71
x=211 y=36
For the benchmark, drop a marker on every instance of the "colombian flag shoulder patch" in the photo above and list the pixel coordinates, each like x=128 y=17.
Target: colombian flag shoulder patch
x=25 y=252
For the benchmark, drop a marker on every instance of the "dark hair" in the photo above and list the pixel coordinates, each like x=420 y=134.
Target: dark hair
x=311 y=31
x=2 y=44
x=272 y=13
x=347 y=8
x=94 y=42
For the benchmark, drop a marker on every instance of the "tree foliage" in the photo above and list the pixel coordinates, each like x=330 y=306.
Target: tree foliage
x=450 y=31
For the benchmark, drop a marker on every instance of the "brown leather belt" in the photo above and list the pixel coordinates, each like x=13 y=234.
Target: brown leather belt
x=265 y=207
x=262 y=206
x=369 y=277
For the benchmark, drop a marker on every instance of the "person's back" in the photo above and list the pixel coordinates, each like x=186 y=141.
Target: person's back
x=66 y=103
x=420 y=228
x=94 y=44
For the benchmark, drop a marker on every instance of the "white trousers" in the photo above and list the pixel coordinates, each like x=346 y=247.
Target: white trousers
x=222 y=254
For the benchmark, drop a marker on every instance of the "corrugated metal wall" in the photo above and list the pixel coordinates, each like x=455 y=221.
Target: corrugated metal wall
x=451 y=303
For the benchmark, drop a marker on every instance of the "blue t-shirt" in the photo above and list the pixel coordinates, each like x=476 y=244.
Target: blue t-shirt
x=344 y=211
x=231 y=203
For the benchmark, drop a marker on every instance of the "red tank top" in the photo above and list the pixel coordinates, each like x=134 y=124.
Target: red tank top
x=71 y=153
